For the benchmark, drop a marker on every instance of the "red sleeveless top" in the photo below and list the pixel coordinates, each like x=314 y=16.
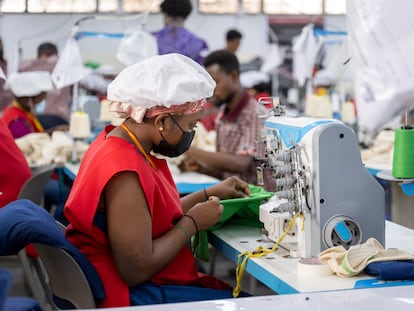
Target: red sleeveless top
x=104 y=158
x=14 y=170
x=15 y=112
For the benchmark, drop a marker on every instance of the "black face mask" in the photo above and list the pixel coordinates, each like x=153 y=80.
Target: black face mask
x=172 y=151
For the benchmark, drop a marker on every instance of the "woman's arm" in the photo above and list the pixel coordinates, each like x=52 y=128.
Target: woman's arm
x=137 y=256
x=232 y=187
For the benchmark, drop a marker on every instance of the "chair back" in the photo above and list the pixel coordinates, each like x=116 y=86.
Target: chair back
x=34 y=187
x=23 y=222
x=33 y=190
x=69 y=285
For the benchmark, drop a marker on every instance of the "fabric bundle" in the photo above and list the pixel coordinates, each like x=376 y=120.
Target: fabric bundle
x=351 y=262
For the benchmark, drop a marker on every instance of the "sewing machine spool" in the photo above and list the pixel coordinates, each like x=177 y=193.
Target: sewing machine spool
x=79 y=129
x=403 y=156
x=79 y=125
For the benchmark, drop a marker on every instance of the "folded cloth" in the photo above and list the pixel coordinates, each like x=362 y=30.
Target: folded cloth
x=392 y=270
x=351 y=262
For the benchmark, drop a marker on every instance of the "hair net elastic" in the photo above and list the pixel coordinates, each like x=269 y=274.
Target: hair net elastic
x=162 y=81
x=30 y=83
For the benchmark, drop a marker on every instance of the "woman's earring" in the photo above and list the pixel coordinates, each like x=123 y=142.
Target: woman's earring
x=160 y=128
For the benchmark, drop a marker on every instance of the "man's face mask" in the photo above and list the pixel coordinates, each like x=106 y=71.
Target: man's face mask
x=40 y=107
x=168 y=150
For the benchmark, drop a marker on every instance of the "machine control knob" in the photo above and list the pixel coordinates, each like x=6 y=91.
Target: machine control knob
x=341 y=230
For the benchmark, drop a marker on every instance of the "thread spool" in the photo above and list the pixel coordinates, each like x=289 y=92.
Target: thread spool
x=79 y=125
x=403 y=156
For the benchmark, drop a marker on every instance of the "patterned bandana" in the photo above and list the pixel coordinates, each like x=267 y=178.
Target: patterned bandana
x=137 y=113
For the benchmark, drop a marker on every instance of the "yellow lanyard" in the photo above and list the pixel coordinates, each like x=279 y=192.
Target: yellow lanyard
x=136 y=142
x=30 y=116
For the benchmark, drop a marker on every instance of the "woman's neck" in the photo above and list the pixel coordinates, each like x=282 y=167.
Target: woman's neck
x=174 y=21
x=24 y=107
x=136 y=130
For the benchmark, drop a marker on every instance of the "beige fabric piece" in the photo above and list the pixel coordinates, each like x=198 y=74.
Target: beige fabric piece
x=43 y=149
x=351 y=262
x=381 y=152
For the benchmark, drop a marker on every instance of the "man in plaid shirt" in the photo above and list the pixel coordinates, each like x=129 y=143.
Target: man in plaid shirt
x=237 y=124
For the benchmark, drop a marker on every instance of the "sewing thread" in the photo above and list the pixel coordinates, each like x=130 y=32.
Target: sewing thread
x=403 y=155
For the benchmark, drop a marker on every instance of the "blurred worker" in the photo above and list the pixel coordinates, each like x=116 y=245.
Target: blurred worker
x=29 y=90
x=233 y=39
x=57 y=101
x=174 y=38
x=237 y=124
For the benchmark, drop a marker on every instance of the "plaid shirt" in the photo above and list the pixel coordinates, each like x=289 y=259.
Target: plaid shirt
x=237 y=132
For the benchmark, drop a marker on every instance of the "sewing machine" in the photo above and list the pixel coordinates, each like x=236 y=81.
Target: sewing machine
x=324 y=196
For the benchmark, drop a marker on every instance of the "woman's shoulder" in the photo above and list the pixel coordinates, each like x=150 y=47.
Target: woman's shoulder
x=11 y=113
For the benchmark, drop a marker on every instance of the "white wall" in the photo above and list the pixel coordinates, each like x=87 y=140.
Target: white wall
x=28 y=30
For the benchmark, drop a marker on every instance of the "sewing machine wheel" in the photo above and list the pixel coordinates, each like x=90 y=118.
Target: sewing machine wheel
x=342 y=230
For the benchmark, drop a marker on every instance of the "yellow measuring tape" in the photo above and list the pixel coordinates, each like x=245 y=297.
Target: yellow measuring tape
x=259 y=252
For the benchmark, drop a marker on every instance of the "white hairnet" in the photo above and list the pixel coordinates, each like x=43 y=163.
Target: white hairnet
x=162 y=80
x=30 y=83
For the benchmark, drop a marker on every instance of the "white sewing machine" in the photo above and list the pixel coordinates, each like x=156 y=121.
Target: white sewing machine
x=322 y=189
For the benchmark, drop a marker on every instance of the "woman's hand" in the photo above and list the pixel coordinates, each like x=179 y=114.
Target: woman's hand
x=232 y=187
x=207 y=214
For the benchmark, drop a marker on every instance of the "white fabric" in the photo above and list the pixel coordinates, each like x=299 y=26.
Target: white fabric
x=161 y=80
x=324 y=78
x=382 y=48
x=305 y=50
x=272 y=60
x=30 y=83
x=69 y=69
x=251 y=78
x=136 y=46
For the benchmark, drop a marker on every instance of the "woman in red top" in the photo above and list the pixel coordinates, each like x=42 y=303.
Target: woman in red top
x=29 y=89
x=124 y=210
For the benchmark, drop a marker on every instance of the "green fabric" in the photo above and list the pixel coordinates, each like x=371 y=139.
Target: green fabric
x=200 y=245
x=243 y=211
